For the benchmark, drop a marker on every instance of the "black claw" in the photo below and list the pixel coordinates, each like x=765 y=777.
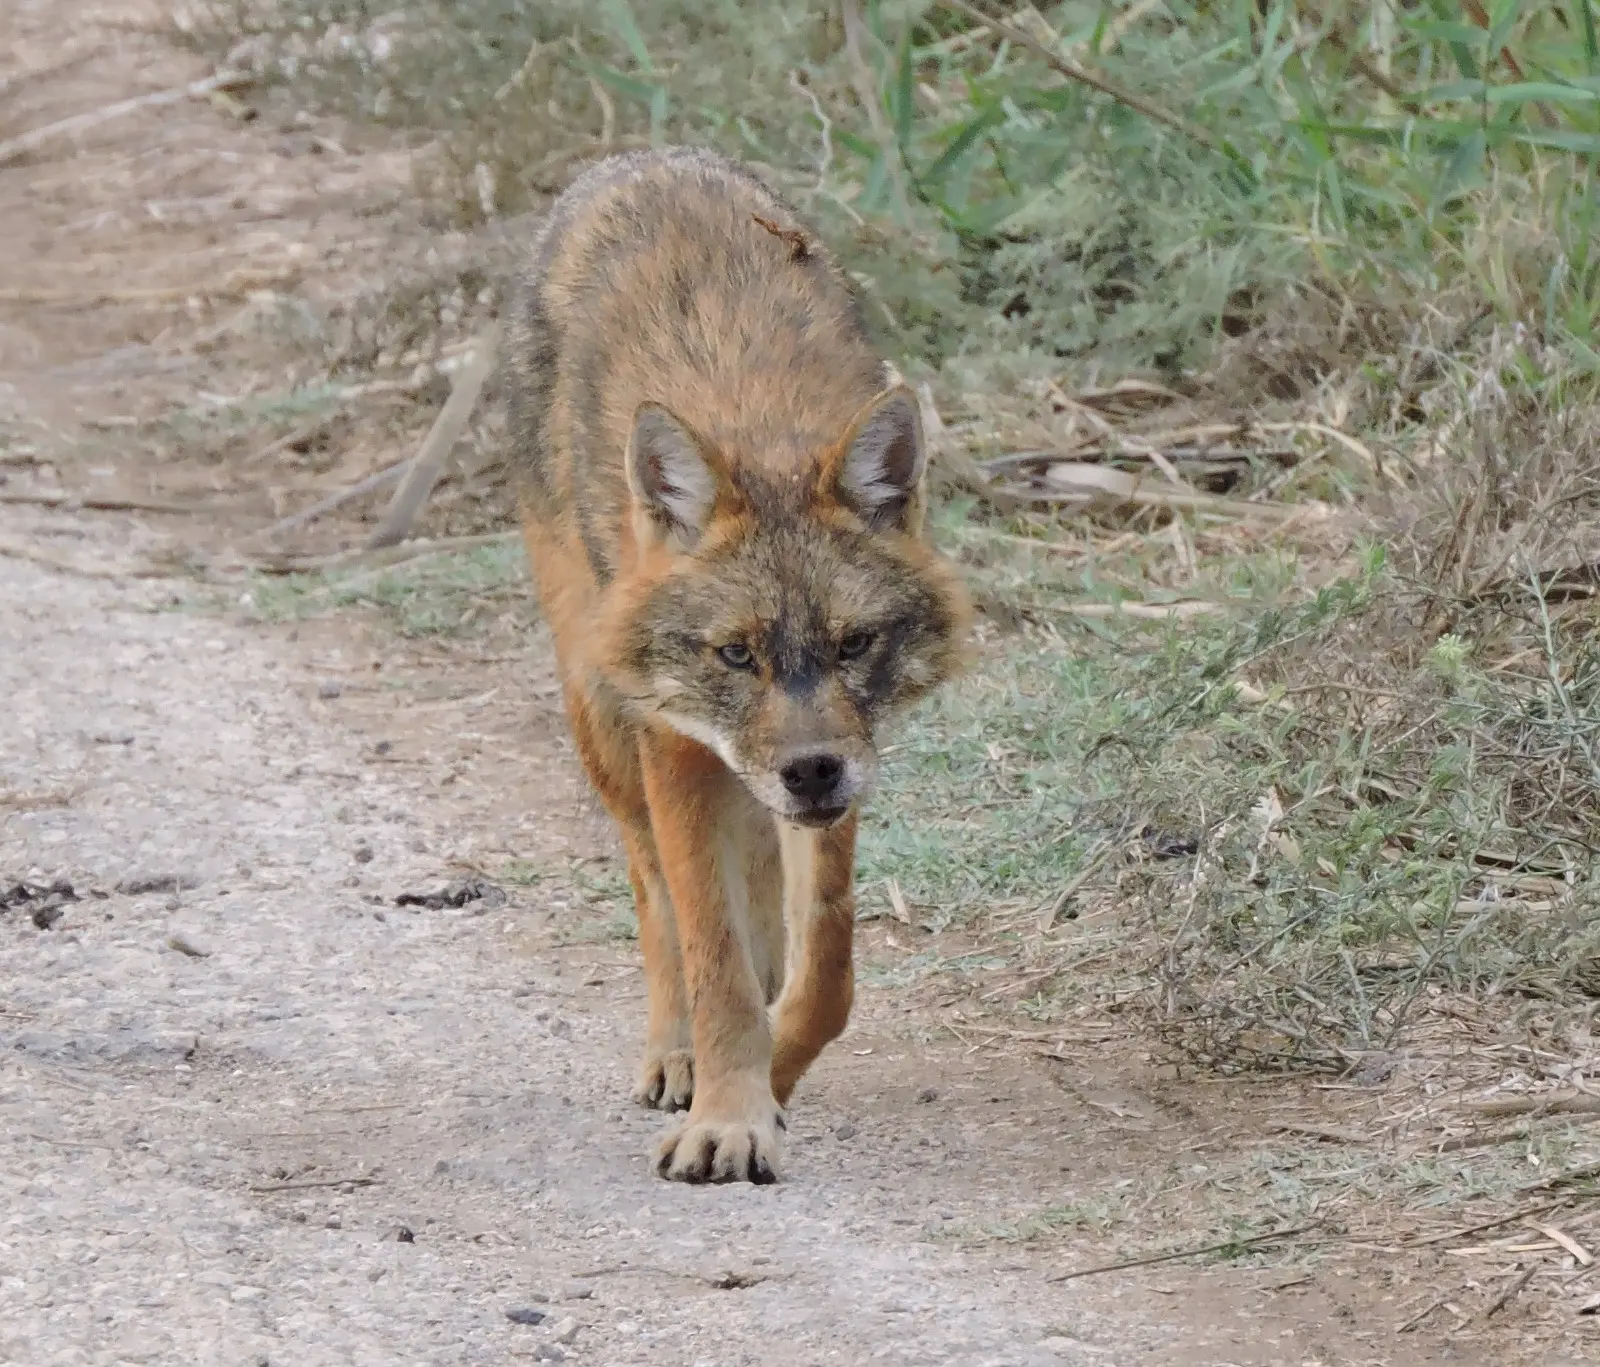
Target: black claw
x=761 y=1174
x=781 y=1121
x=700 y=1169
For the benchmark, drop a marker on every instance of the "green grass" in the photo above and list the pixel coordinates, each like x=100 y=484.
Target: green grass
x=1000 y=214
x=442 y=595
x=1310 y=822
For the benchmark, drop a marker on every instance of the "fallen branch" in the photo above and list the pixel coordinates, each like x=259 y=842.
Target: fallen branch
x=13 y=149
x=428 y=464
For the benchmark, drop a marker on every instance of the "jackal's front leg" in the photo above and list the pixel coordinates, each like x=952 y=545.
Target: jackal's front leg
x=732 y=1130
x=666 y=1074
x=819 y=911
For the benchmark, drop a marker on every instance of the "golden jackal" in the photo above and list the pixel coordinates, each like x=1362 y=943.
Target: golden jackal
x=722 y=494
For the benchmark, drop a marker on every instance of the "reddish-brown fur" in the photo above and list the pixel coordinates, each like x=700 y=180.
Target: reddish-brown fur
x=722 y=501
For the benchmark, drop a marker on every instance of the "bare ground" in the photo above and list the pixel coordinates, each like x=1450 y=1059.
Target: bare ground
x=259 y=1113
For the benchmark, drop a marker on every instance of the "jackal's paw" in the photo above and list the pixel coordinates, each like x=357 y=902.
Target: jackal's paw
x=666 y=1080
x=722 y=1151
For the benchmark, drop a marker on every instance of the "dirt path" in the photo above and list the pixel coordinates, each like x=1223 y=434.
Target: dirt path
x=222 y=1098
x=452 y=1073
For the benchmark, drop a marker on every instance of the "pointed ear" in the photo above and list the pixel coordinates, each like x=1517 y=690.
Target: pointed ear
x=671 y=476
x=882 y=462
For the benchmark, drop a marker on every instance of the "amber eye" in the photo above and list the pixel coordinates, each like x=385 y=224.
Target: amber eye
x=736 y=655
x=855 y=645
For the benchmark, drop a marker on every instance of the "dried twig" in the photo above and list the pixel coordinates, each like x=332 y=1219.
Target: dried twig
x=383 y=477
x=383 y=557
x=1560 y=1236
x=1226 y=1246
x=308 y=1186
x=239 y=283
x=1155 y=612
x=1532 y=1213
x=1073 y=72
x=1091 y=866
x=1423 y=1314
x=12 y=149
x=1512 y=1287
x=20 y=550
x=956 y=463
x=428 y=464
x=1570 y=1103
x=98 y=504
x=1158 y=497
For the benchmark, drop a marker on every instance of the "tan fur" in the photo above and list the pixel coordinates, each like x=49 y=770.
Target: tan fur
x=712 y=459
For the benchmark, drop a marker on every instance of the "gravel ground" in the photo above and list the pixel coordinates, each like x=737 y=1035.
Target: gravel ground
x=227 y=1101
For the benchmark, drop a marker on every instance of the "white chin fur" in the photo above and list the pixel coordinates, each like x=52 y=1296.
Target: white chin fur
x=708 y=736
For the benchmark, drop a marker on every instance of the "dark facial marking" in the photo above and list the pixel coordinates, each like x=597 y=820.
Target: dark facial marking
x=797 y=658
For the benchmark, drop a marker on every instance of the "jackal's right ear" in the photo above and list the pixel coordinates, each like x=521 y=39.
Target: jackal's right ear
x=670 y=475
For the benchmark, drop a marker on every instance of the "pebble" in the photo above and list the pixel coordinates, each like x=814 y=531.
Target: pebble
x=363 y=854
x=329 y=690
x=549 y=1352
x=565 y=1331
x=184 y=945
x=246 y=1293
x=524 y=1314
x=578 y=1291
x=927 y=1094
x=334 y=1222
x=845 y=1131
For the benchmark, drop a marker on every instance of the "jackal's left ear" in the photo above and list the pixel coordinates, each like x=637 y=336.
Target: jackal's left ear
x=882 y=461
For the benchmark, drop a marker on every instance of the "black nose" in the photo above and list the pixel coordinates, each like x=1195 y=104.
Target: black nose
x=813 y=778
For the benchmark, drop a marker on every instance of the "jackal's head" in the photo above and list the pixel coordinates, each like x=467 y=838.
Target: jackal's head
x=779 y=619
